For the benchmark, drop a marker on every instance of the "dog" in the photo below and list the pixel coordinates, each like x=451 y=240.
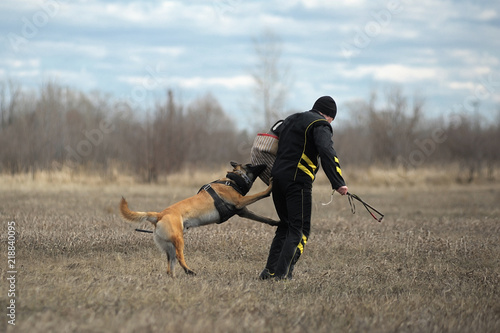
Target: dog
x=214 y=203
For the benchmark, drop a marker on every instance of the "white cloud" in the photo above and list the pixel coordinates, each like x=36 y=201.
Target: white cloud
x=14 y=5
x=81 y=77
x=194 y=82
x=456 y=85
x=133 y=80
x=487 y=15
x=392 y=73
x=202 y=46
x=22 y=63
x=472 y=57
x=401 y=73
x=94 y=50
x=147 y=15
x=19 y=69
x=133 y=12
x=163 y=50
x=234 y=82
x=30 y=74
x=332 y=4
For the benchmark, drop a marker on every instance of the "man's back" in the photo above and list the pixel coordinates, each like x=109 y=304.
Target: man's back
x=297 y=157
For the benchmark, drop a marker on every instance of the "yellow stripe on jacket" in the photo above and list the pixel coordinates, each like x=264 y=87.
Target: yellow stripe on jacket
x=308 y=163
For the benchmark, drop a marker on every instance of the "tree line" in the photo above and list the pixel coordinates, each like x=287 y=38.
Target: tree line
x=392 y=131
x=58 y=127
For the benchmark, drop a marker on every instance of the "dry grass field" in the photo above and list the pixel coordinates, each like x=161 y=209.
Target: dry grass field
x=432 y=265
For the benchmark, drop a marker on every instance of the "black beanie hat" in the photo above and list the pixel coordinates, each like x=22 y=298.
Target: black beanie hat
x=326 y=105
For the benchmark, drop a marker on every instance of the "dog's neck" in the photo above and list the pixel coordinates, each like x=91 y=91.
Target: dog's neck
x=242 y=181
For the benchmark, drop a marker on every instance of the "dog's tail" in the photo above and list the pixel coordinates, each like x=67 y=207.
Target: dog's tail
x=129 y=215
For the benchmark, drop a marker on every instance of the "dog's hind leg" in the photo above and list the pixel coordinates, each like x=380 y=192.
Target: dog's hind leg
x=171 y=259
x=252 y=216
x=169 y=249
x=179 y=251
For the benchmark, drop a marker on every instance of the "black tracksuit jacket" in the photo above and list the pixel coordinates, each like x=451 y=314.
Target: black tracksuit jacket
x=304 y=138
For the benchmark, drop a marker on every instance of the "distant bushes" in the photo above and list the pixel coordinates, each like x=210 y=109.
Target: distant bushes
x=57 y=127
x=397 y=134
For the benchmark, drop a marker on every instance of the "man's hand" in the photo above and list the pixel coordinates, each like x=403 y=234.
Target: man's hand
x=342 y=190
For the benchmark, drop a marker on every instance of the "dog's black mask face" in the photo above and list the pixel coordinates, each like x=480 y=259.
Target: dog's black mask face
x=252 y=171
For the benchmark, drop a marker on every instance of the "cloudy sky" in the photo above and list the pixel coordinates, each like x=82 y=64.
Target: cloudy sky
x=445 y=51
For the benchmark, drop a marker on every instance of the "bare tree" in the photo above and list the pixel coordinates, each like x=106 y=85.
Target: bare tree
x=466 y=143
x=393 y=128
x=353 y=142
x=9 y=98
x=272 y=79
x=55 y=127
x=212 y=133
x=381 y=133
x=490 y=147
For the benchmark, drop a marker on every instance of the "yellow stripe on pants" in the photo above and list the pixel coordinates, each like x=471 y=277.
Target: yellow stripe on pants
x=302 y=244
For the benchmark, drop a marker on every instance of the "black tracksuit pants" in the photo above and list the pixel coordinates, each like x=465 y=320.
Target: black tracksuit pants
x=292 y=201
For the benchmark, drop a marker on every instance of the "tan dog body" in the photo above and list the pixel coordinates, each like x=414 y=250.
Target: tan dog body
x=196 y=211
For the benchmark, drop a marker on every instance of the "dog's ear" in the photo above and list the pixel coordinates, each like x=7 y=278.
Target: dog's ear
x=234 y=164
x=256 y=169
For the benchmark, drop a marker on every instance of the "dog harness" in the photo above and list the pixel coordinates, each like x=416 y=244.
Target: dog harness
x=225 y=210
x=239 y=182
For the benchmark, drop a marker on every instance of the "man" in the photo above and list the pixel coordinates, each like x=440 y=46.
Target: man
x=304 y=137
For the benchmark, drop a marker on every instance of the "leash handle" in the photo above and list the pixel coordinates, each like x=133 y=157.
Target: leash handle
x=367 y=206
x=331 y=199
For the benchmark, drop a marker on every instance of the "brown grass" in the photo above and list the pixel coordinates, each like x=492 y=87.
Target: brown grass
x=432 y=265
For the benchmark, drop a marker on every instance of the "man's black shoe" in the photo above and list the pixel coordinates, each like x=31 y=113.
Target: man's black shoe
x=266 y=274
